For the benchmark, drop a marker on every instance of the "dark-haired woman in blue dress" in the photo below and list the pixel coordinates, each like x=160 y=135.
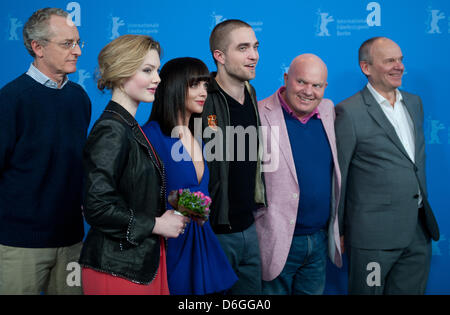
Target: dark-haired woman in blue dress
x=196 y=264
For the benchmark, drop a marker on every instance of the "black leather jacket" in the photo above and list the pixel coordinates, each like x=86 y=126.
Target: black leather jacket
x=124 y=193
x=216 y=105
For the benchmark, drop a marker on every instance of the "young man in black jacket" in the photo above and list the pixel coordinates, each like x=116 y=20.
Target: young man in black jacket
x=233 y=149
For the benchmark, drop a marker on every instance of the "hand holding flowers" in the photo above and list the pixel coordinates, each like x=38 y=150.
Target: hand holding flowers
x=191 y=204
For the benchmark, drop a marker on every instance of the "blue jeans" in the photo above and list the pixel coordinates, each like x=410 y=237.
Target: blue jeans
x=242 y=251
x=305 y=268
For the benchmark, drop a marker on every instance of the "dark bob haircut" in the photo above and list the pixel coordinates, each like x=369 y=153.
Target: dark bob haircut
x=177 y=75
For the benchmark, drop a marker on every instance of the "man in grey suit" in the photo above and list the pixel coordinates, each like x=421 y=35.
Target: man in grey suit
x=384 y=212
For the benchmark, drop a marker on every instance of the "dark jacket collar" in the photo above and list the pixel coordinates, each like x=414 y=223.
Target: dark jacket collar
x=122 y=113
x=138 y=134
x=374 y=110
x=213 y=86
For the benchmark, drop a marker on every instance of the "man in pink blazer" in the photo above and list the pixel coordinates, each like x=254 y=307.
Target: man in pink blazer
x=299 y=227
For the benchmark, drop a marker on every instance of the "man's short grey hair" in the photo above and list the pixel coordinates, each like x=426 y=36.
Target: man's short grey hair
x=37 y=27
x=364 y=50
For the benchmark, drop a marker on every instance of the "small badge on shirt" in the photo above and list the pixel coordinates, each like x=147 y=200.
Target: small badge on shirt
x=212 y=122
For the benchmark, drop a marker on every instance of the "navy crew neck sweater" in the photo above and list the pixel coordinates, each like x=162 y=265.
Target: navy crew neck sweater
x=314 y=165
x=42 y=135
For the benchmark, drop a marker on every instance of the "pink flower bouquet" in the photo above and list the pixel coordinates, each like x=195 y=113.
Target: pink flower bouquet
x=191 y=204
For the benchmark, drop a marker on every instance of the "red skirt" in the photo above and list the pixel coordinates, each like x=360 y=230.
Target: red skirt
x=100 y=283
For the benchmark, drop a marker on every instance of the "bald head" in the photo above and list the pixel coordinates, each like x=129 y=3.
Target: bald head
x=310 y=62
x=305 y=84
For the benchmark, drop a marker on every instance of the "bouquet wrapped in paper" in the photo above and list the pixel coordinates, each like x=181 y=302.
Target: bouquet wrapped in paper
x=191 y=204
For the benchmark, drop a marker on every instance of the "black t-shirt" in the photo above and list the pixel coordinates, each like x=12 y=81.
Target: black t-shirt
x=243 y=153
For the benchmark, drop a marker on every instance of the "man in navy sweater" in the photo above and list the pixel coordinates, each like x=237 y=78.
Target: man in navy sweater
x=302 y=192
x=44 y=121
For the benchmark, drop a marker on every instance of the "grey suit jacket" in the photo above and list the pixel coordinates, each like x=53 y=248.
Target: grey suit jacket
x=378 y=207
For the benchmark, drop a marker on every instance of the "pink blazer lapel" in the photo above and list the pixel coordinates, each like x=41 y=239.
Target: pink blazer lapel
x=327 y=116
x=275 y=118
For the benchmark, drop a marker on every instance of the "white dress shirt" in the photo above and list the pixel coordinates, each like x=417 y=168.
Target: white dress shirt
x=43 y=79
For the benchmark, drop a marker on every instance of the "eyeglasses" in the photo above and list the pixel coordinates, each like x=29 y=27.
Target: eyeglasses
x=69 y=44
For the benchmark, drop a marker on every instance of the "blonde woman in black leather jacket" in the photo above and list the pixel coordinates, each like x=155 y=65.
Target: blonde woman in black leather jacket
x=124 y=252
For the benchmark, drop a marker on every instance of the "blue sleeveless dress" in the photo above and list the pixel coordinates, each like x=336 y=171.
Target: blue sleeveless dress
x=196 y=263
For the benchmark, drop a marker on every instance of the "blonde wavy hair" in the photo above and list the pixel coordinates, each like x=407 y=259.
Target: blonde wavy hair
x=121 y=58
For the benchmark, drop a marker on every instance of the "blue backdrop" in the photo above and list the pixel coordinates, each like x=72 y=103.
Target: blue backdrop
x=331 y=29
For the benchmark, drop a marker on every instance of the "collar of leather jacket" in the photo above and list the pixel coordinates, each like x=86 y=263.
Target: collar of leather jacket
x=122 y=113
x=127 y=118
x=213 y=86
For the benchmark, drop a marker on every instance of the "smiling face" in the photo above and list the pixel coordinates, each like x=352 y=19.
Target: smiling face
x=52 y=58
x=385 y=69
x=240 y=58
x=141 y=87
x=305 y=84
